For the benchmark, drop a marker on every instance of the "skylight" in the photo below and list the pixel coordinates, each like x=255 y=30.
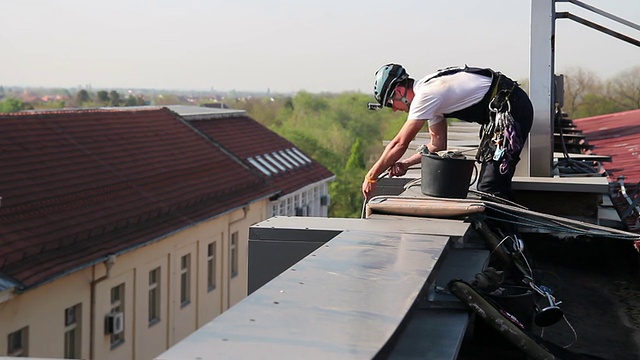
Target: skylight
x=260 y=167
x=295 y=156
x=282 y=160
x=274 y=162
x=289 y=158
x=303 y=156
x=279 y=161
x=266 y=163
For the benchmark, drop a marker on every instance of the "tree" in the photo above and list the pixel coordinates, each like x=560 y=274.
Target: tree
x=346 y=196
x=596 y=104
x=52 y=104
x=82 y=96
x=578 y=82
x=131 y=101
x=356 y=159
x=103 y=97
x=624 y=89
x=114 y=98
x=11 y=105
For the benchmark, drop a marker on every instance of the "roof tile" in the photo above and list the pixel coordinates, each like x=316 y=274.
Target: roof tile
x=79 y=185
x=617 y=135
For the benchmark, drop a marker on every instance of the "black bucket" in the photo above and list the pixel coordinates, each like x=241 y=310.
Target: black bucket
x=446 y=176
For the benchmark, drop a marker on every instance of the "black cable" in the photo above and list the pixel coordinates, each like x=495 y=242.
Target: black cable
x=576 y=165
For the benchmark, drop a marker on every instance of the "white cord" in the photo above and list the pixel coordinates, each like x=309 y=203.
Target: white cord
x=575 y=334
x=494 y=250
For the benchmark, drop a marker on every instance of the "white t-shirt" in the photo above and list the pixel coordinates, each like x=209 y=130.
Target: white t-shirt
x=446 y=94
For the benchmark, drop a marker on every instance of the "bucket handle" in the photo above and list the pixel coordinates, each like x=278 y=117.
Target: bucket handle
x=474 y=178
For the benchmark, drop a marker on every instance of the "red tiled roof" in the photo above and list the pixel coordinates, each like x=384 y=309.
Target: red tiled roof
x=77 y=186
x=617 y=135
x=248 y=139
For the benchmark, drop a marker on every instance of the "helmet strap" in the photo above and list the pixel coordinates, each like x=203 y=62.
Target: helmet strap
x=404 y=99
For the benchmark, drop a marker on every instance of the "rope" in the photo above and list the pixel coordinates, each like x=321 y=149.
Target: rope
x=560 y=228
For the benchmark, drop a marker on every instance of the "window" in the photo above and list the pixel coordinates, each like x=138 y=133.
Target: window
x=211 y=266
x=17 y=343
x=185 y=280
x=72 y=332
x=233 y=254
x=324 y=200
x=117 y=305
x=154 y=296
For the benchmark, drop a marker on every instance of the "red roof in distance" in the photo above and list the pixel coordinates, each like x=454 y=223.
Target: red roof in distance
x=616 y=135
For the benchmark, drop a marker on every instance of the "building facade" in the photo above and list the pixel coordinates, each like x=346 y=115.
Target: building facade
x=118 y=240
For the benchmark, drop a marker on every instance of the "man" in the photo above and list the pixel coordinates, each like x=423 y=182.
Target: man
x=471 y=94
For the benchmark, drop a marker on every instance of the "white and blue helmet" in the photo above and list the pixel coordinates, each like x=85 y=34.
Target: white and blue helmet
x=387 y=78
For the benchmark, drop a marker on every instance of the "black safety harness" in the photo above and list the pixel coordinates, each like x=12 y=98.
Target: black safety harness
x=492 y=112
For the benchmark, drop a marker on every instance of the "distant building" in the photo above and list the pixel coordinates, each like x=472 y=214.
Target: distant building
x=216 y=105
x=125 y=230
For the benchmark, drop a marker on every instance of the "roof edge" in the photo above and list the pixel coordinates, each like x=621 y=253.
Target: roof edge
x=16 y=289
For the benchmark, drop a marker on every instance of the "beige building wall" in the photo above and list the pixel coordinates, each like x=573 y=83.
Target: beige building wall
x=41 y=312
x=183 y=308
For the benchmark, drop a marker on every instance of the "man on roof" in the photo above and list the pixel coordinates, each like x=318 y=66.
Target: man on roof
x=471 y=94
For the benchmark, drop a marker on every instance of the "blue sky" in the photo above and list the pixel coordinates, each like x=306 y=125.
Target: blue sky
x=287 y=45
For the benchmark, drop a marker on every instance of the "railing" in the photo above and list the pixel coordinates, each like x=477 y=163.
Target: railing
x=567 y=15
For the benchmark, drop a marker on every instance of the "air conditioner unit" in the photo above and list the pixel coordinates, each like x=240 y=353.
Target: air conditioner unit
x=324 y=200
x=114 y=323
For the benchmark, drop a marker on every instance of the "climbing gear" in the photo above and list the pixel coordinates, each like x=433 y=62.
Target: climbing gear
x=498 y=139
x=501 y=320
x=387 y=78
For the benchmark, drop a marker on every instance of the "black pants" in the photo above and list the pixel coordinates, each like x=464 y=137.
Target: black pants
x=490 y=179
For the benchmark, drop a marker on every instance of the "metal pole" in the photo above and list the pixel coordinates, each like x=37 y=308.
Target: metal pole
x=538 y=154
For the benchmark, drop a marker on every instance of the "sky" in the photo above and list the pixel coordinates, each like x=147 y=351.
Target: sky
x=287 y=46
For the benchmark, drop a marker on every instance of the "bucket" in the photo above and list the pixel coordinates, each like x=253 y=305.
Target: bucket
x=446 y=175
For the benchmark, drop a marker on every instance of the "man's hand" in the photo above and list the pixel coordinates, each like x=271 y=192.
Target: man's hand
x=368 y=188
x=398 y=169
